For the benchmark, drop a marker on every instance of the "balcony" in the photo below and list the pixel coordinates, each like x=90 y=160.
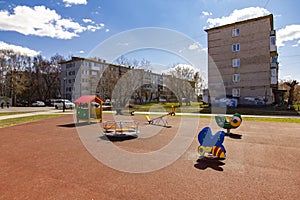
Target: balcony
x=273 y=46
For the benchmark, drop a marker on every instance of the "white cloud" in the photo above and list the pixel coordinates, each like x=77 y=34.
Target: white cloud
x=238 y=15
x=92 y=25
x=205 y=13
x=41 y=21
x=194 y=46
x=287 y=77
x=88 y=21
x=288 y=33
x=184 y=66
x=93 y=28
x=69 y=3
x=298 y=43
x=192 y=70
x=18 y=49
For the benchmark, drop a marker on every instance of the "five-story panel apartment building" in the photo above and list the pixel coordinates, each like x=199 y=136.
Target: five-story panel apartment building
x=243 y=61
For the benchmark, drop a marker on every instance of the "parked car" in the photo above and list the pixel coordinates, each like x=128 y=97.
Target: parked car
x=38 y=103
x=50 y=102
x=22 y=103
x=68 y=104
x=107 y=102
x=95 y=104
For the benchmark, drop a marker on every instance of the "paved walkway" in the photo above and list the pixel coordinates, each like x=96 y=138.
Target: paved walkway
x=31 y=111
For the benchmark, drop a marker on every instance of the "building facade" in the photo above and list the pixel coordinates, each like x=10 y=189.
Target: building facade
x=83 y=71
x=96 y=76
x=243 y=60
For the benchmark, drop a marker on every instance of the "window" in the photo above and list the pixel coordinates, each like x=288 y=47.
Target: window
x=274 y=61
x=235 y=92
x=236 y=78
x=71 y=73
x=272 y=40
x=273 y=73
x=236 y=62
x=235 y=32
x=273 y=43
x=69 y=65
x=235 y=47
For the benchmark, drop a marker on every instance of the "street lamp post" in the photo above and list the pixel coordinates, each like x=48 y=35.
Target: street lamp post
x=64 y=92
x=64 y=106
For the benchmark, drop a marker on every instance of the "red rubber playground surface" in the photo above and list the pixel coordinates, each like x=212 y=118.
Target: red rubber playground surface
x=47 y=160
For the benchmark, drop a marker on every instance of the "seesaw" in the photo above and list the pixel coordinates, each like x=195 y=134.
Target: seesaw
x=120 y=128
x=159 y=121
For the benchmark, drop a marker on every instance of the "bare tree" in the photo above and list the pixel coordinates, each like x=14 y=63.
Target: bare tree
x=13 y=81
x=24 y=78
x=122 y=60
x=183 y=78
x=126 y=87
x=291 y=85
x=142 y=68
x=53 y=75
x=107 y=83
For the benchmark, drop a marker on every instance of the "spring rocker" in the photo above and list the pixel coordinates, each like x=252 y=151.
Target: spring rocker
x=229 y=123
x=211 y=145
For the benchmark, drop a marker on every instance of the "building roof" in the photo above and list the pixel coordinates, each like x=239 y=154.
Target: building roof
x=245 y=21
x=88 y=99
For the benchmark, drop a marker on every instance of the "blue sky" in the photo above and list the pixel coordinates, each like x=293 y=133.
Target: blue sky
x=76 y=27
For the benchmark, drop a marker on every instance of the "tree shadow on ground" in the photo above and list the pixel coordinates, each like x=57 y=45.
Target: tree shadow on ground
x=214 y=163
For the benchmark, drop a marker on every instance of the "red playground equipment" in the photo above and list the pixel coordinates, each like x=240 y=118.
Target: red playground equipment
x=86 y=110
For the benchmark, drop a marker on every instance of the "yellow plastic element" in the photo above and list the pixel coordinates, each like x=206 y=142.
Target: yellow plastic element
x=217 y=151
x=202 y=150
x=121 y=129
x=148 y=118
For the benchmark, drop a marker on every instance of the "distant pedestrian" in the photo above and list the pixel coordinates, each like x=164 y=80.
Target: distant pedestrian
x=2 y=105
x=7 y=104
x=64 y=106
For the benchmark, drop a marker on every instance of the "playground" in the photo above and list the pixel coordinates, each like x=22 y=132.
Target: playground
x=47 y=160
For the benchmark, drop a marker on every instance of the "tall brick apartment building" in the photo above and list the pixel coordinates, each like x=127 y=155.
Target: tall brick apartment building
x=243 y=61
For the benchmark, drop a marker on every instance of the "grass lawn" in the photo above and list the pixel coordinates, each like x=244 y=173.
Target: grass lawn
x=23 y=120
x=197 y=107
x=286 y=120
